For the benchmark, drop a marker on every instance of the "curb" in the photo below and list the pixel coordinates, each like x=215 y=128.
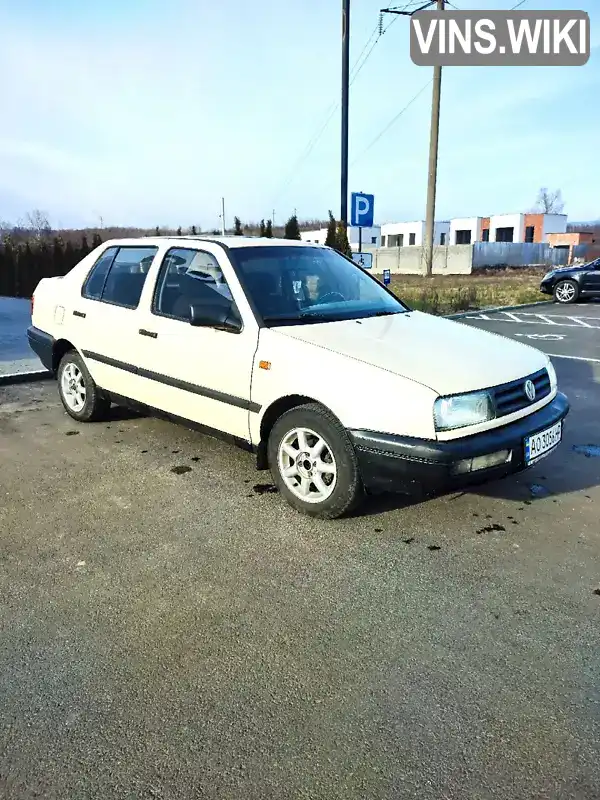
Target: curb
x=24 y=377
x=498 y=308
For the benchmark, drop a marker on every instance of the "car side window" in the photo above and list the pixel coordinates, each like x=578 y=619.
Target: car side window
x=189 y=277
x=127 y=275
x=94 y=284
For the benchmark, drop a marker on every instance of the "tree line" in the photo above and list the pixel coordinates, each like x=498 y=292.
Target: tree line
x=29 y=254
x=24 y=264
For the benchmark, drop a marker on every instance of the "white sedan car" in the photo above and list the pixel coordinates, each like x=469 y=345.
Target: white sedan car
x=296 y=353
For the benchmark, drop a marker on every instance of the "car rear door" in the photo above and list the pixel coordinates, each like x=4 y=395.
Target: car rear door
x=198 y=374
x=103 y=323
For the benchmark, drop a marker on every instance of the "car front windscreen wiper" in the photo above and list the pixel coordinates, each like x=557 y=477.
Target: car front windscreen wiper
x=387 y=313
x=304 y=318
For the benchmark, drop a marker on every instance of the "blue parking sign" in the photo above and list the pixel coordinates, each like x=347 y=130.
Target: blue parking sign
x=387 y=278
x=362 y=209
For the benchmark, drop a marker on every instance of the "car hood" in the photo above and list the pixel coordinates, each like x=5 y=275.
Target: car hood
x=447 y=356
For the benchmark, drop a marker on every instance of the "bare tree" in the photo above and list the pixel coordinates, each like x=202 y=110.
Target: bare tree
x=549 y=202
x=38 y=223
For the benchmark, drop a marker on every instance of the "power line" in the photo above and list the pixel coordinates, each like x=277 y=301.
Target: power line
x=354 y=73
x=392 y=122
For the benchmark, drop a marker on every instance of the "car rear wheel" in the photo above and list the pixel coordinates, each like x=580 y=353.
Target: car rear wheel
x=566 y=292
x=313 y=462
x=79 y=394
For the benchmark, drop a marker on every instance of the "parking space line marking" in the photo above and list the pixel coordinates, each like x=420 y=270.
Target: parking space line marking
x=558 y=320
x=548 y=320
x=574 y=358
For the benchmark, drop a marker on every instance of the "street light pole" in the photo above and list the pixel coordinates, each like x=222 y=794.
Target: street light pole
x=433 y=158
x=345 y=101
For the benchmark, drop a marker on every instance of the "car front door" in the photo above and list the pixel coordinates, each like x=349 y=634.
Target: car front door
x=200 y=374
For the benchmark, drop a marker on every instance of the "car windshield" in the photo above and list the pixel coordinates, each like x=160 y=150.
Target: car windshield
x=298 y=285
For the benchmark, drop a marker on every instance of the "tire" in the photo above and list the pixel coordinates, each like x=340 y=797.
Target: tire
x=566 y=291
x=337 y=489
x=79 y=394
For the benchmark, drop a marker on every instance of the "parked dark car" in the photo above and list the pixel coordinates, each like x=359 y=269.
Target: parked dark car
x=568 y=284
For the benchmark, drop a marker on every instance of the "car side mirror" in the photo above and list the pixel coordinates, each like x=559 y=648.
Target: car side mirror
x=222 y=317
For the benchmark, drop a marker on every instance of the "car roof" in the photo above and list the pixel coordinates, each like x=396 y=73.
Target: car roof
x=228 y=241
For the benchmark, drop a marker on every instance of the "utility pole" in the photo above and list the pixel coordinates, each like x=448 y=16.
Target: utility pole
x=433 y=159
x=223 y=216
x=273 y=219
x=345 y=98
x=433 y=144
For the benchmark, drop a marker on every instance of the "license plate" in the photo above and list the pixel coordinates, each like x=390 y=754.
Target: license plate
x=541 y=444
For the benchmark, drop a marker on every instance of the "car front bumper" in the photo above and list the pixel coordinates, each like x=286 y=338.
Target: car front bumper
x=421 y=466
x=547 y=287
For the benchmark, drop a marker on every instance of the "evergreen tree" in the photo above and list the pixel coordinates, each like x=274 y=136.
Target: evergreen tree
x=96 y=241
x=194 y=231
x=85 y=248
x=342 y=243
x=157 y=231
x=70 y=256
x=58 y=248
x=263 y=230
x=237 y=229
x=179 y=231
x=292 y=229
x=7 y=268
x=331 y=240
x=269 y=229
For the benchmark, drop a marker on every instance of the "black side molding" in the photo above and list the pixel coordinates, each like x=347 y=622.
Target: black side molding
x=203 y=391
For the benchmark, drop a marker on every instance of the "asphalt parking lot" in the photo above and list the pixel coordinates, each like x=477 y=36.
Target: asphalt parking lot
x=172 y=629
x=15 y=354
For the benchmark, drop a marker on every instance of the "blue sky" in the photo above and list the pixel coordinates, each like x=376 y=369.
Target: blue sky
x=146 y=113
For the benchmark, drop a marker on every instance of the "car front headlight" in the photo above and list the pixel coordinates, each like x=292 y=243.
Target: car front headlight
x=552 y=376
x=548 y=275
x=462 y=410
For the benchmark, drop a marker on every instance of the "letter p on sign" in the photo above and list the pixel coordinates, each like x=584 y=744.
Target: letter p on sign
x=362 y=208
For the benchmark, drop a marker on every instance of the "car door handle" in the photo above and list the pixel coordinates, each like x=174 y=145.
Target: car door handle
x=151 y=334
x=79 y=314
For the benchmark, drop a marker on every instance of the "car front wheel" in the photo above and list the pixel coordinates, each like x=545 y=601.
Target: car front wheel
x=566 y=292
x=79 y=394
x=313 y=462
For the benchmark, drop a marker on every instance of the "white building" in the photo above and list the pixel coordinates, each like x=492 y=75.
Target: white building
x=404 y=234
x=465 y=230
x=371 y=237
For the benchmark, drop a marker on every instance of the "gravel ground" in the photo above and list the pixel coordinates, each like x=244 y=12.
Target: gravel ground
x=184 y=634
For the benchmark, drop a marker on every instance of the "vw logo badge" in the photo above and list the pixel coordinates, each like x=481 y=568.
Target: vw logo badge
x=530 y=390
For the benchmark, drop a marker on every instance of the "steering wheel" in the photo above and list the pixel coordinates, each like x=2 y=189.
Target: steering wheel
x=332 y=295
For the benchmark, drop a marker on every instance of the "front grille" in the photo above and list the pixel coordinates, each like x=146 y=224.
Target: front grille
x=511 y=397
